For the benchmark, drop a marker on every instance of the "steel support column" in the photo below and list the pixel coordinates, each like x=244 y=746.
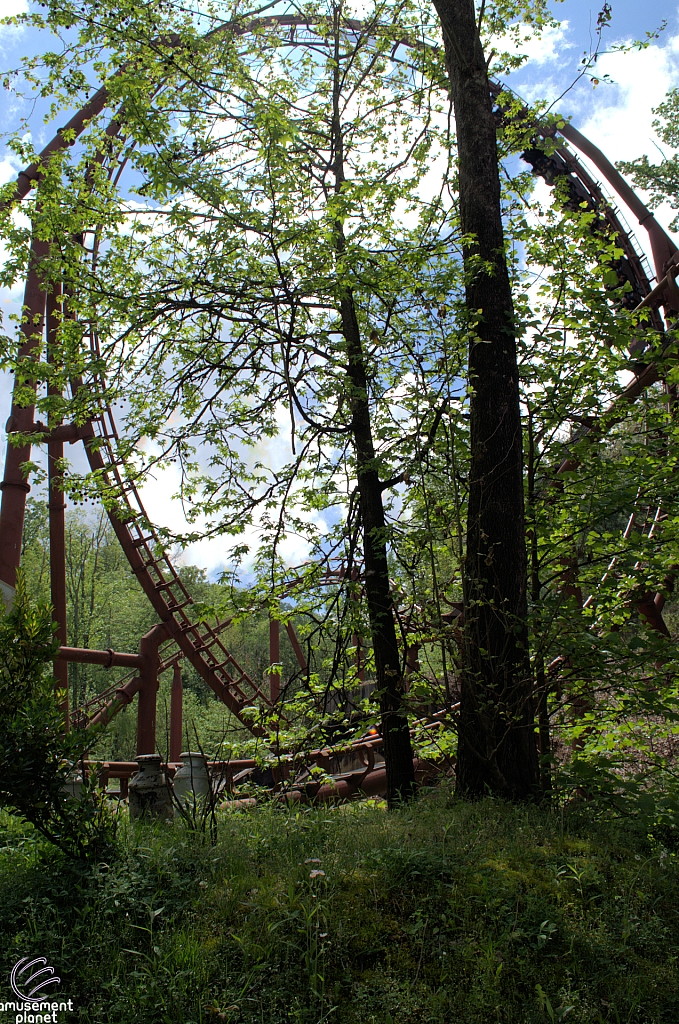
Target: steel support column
x=148 y=673
x=176 y=701
x=14 y=486
x=296 y=646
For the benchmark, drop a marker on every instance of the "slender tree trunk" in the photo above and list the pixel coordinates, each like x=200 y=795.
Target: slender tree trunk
x=541 y=678
x=398 y=754
x=497 y=749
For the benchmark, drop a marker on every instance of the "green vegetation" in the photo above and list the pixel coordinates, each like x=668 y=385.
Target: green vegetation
x=440 y=912
x=309 y=361
x=36 y=757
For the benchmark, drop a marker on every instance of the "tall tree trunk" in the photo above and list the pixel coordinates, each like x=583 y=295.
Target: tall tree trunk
x=398 y=754
x=541 y=677
x=497 y=749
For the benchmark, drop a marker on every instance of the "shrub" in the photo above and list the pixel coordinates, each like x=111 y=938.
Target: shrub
x=37 y=756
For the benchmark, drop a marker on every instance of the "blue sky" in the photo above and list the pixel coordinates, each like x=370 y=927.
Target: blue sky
x=617 y=117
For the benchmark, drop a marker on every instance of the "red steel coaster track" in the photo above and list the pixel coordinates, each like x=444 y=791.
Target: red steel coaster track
x=178 y=634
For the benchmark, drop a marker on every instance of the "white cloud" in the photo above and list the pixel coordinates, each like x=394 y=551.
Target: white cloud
x=621 y=121
x=7 y=171
x=9 y=8
x=538 y=47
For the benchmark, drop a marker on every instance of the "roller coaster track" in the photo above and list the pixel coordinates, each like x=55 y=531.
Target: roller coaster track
x=201 y=644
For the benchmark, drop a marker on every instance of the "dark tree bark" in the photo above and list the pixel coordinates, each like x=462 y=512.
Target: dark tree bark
x=398 y=754
x=497 y=749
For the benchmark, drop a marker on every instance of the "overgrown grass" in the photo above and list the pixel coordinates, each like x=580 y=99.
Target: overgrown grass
x=443 y=912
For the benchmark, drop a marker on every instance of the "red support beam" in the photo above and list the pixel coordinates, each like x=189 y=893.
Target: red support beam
x=84 y=656
x=121 y=697
x=296 y=646
x=650 y=610
x=146 y=706
x=176 y=701
x=146 y=715
x=14 y=486
x=412 y=662
x=64 y=138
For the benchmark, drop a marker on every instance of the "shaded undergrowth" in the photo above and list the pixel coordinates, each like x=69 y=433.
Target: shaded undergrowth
x=442 y=912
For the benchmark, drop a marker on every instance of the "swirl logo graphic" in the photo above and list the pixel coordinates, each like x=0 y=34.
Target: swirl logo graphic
x=39 y=980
